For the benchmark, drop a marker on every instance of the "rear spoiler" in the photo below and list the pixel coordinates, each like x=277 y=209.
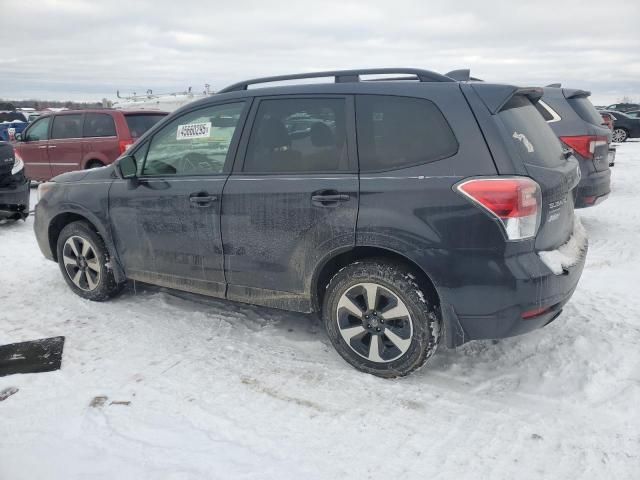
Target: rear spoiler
x=495 y=96
x=575 y=93
x=463 y=75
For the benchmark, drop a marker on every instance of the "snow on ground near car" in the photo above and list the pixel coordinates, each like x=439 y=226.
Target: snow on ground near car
x=224 y=390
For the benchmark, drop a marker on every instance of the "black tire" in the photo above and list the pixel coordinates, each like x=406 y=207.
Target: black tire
x=95 y=263
x=94 y=164
x=399 y=281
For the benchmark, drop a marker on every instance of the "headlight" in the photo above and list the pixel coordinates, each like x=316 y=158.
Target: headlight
x=43 y=188
x=17 y=165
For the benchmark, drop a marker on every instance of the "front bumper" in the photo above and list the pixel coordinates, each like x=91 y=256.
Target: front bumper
x=521 y=294
x=593 y=189
x=14 y=199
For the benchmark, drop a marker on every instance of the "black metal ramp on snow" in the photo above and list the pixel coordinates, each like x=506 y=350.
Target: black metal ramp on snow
x=43 y=355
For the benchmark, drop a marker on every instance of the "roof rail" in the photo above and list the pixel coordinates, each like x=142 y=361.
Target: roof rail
x=342 y=76
x=555 y=85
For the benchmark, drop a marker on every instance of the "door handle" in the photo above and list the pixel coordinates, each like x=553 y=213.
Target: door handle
x=49 y=146
x=328 y=198
x=202 y=199
x=42 y=146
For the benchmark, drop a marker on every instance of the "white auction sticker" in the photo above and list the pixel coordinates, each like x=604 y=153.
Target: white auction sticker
x=193 y=130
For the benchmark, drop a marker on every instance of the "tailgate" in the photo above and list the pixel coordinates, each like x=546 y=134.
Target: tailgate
x=531 y=139
x=599 y=133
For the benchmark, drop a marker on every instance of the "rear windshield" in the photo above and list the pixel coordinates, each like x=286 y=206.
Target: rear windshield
x=530 y=133
x=141 y=122
x=585 y=109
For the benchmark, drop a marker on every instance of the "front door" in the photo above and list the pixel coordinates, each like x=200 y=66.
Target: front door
x=65 y=145
x=166 y=223
x=293 y=200
x=33 y=150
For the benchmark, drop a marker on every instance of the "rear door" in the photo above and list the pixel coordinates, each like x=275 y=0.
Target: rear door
x=166 y=222
x=66 y=143
x=293 y=201
x=100 y=138
x=531 y=141
x=33 y=150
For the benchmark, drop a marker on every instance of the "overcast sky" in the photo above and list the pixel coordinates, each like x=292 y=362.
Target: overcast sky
x=71 y=49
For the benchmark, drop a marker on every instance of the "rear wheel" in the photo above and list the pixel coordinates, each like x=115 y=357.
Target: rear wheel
x=83 y=261
x=619 y=135
x=379 y=320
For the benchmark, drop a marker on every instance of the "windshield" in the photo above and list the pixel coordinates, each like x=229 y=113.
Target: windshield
x=530 y=133
x=141 y=122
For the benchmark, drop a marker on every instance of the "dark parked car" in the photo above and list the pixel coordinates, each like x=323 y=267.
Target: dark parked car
x=76 y=140
x=624 y=126
x=579 y=125
x=623 y=107
x=410 y=213
x=14 y=187
x=11 y=123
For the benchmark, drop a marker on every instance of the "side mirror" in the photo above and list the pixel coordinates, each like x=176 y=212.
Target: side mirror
x=127 y=167
x=19 y=138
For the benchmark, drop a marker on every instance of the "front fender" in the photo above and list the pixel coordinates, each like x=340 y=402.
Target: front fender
x=60 y=207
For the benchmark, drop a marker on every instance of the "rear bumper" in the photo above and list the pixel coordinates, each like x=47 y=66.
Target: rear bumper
x=593 y=189
x=14 y=200
x=520 y=286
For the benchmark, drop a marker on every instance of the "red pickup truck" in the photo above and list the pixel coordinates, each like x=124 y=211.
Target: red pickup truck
x=75 y=140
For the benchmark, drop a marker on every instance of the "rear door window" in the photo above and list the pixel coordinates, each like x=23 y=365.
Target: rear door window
x=67 y=126
x=139 y=123
x=530 y=134
x=99 y=125
x=298 y=135
x=396 y=132
x=585 y=110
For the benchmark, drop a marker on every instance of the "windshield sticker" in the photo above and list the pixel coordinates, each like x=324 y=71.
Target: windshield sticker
x=193 y=130
x=525 y=141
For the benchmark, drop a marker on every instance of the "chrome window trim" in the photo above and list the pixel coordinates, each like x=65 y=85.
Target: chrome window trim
x=552 y=112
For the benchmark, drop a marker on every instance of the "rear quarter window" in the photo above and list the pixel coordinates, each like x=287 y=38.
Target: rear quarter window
x=139 y=123
x=529 y=133
x=585 y=110
x=397 y=132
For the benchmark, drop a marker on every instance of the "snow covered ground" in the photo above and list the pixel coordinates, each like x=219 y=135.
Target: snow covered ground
x=223 y=390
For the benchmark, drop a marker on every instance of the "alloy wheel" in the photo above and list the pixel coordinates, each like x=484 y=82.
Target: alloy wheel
x=81 y=263
x=619 y=135
x=374 y=322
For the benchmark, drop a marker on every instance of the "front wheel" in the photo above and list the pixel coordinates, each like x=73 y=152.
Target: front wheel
x=84 y=262
x=379 y=320
x=619 y=135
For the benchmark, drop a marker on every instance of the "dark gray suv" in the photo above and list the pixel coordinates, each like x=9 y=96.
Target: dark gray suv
x=408 y=212
x=580 y=127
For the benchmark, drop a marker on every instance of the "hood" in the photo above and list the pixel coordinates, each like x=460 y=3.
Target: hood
x=7 y=158
x=94 y=174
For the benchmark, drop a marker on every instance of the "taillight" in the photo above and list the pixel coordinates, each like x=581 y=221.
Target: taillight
x=515 y=201
x=124 y=145
x=585 y=145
